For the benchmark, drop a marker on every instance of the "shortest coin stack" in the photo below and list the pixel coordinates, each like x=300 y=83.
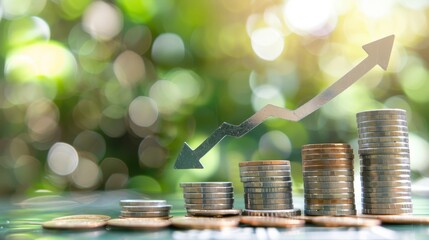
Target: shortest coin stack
x=212 y=198
x=136 y=208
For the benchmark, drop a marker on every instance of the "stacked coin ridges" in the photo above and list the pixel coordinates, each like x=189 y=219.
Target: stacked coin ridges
x=328 y=179
x=385 y=161
x=208 y=195
x=136 y=208
x=267 y=187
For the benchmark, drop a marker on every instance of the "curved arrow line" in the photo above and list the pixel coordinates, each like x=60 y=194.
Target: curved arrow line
x=378 y=54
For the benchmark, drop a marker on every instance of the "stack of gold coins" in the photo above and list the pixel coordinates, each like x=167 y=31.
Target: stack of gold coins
x=267 y=188
x=137 y=208
x=385 y=161
x=208 y=198
x=328 y=179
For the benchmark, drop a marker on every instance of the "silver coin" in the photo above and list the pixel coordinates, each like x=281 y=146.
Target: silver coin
x=339 y=172
x=387 y=195
x=365 y=178
x=386 y=111
x=385 y=150
x=271 y=173
x=213 y=213
x=383 y=167
x=383 y=134
x=209 y=206
x=142 y=202
x=273 y=213
x=402 y=183
x=326 y=145
x=383 y=145
x=319 y=185
x=387 y=200
x=205 y=184
x=385 y=161
x=268 y=189
x=382 y=117
x=208 y=189
x=146 y=208
x=285 y=195
x=312 y=201
x=267 y=201
x=265 y=168
x=329 y=196
x=383 y=139
x=376 y=172
x=386 y=205
x=371 y=123
x=265 y=179
x=268 y=206
x=385 y=156
x=208 y=195
x=328 y=190
x=386 y=189
x=328 y=178
x=393 y=211
x=362 y=130
x=347 y=212
x=278 y=184
x=144 y=214
x=209 y=201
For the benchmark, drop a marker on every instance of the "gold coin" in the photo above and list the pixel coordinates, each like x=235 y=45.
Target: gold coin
x=326 y=162
x=326 y=150
x=139 y=223
x=74 y=224
x=266 y=162
x=400 y=219
x=85 y=217
x=344 y=222
x=204 y=223
x=271 y=222
x=326 y=145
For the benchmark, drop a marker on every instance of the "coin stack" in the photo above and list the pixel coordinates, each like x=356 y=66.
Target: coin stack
x=385 y=161
x=136 y=208
x=208 y=198
x=267 y=188
x=328 y=179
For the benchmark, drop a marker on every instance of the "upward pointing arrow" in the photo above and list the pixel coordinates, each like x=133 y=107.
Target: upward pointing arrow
x=378 y=54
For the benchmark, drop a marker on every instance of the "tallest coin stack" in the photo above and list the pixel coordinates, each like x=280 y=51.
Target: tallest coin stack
x=385 y=161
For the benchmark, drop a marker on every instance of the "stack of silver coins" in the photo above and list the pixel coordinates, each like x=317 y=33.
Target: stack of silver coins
x=385 y=161
x=208 y=196
x=328 y=179
x=136 y=208
x=267 y=188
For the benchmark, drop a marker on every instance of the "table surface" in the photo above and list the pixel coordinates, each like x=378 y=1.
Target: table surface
x=20 y=219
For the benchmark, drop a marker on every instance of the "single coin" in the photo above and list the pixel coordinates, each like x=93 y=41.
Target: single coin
x=363 y=130
x=387 y=205
x=144 y=214
x=283 y=195
x=372 y=200
x=400 y=219
x=208 y=195
x=139 y=223
x=209 y=206
x=387 y=111
x=401 y=183
x=204 y=222
x=385 y=178
x=335 y=172
x=394 y=211
x=319 y=185
x=213 y=213
x=267 y=201
x=385 y=156
x=386 y=189
x=85 y=217
x=271 y=222
x=208 y=189
x=328 y=167
x=383 y=145
x=308 y=163
x=375 y=173
x=385 y=150
x=315 y=156
x=271 y=173
x=328 y=178
x=330 y=207
x=383 y=134
x=383 y=117
x=371 y=123
x=328 y=190
x=265 y=168
x=287 y=213
x=265 y=179
x=329 y=201
x=329 y=196
x=268 y=189
x=74 y=224
x=326 y=145
x=205 y=184
x=268 y=206
x=383 y=140
x=326 y=150
x=387 y=195
x=209 y=200
x=385 y=167
x=338 y=212
x=142 y=202
x=345 y=222
x=146 y=209
x=278 y=184
x=266 y=162
x=368 y=162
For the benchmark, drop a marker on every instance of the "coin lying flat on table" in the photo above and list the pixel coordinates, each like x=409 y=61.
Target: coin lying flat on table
x=399 y=219
x=204 y=223
x=85 y=217
x=75 y=224
x=271 y=222
x=139 y=223
x=344 y=222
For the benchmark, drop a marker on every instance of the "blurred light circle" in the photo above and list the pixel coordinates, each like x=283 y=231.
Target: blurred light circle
x=139 y=11
x=42 y=120
x=309 y=16
x=187 y=81
x=25 y=30
x=138 y=39
x=275 y=144
x=14 y=9
x=376 y=9
x=87 y=174
x=92 y=142
x=143 y=111
x=144 y=184
x=266 y=94
x=166 y=95
x=129 y=68
x=267 y=43
x=102 y=21
x=168 y=48
x=151 y=153
x=116 y=181
x=62 y=158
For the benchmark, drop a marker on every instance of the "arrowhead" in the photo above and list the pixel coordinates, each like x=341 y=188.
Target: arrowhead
x=187 y=159
x=380 y=50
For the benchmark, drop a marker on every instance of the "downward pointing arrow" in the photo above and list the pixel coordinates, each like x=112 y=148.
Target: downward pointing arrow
x=378 y=54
